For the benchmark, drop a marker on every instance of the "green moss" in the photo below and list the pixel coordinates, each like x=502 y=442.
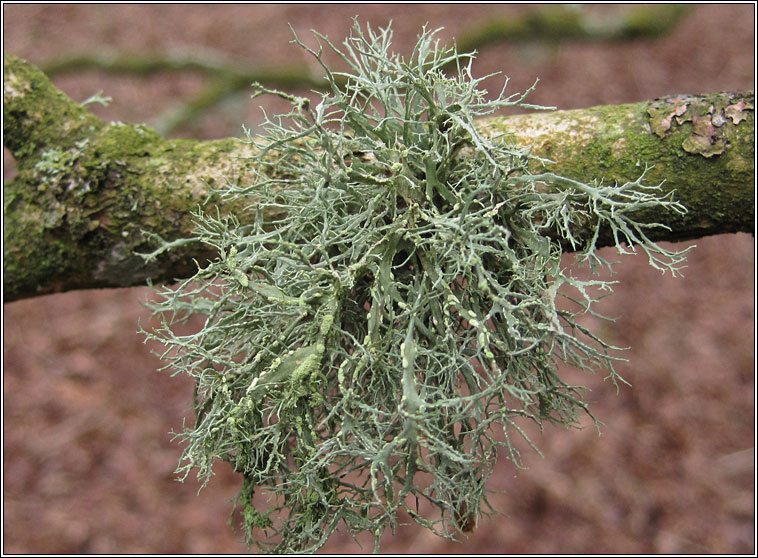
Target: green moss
x=32 y=244
x=652 y=21
x=121 y=139
x=37 y=115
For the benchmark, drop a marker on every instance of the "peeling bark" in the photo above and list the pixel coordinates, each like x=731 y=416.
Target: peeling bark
x=87 y=191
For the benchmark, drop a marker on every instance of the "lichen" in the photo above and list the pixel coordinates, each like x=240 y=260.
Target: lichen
x=706 y=133
x=388 y=297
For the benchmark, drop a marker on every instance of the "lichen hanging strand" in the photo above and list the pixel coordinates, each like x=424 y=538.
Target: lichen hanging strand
x=392 y=306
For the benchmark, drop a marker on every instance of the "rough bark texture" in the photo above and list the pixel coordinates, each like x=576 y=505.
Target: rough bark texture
x=87 y=190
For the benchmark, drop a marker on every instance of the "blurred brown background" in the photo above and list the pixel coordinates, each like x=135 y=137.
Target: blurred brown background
x=88 y=458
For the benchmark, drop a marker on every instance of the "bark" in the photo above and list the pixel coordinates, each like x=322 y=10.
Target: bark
x=90 y=194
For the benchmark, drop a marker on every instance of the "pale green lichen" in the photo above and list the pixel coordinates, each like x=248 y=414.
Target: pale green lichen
x=392 y=304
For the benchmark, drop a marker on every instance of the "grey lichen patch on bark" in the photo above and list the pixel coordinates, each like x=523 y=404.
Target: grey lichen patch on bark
x=203 y=166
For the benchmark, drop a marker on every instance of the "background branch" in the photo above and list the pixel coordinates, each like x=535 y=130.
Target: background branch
x=548 y=24
x=558 y=23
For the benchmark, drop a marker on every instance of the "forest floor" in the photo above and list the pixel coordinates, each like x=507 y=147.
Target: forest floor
x=88 y=458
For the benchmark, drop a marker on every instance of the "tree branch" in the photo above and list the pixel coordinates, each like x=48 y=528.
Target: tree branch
x=89 y=194
x=560 y=23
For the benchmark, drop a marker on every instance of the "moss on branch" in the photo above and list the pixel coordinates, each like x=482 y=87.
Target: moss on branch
x=87 y=189
x=700 y=146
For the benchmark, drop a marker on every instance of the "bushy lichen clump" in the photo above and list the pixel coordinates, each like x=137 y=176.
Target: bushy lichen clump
x=387 y=311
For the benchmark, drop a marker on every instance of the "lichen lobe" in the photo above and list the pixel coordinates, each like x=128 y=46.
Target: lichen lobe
x=709 y=120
